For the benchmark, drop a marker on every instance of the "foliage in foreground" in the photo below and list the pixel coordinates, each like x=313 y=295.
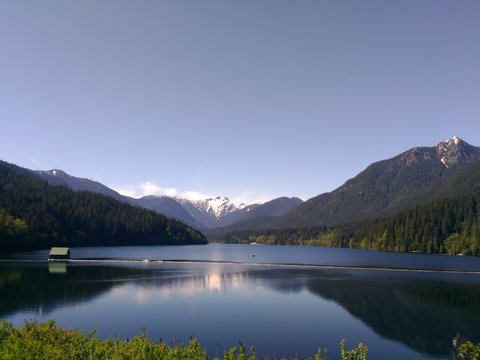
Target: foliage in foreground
x=469 y=351
x=47 y=341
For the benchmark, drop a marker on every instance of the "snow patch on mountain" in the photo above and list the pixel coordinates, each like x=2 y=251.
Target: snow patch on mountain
x=217 y=206
x=443 y=161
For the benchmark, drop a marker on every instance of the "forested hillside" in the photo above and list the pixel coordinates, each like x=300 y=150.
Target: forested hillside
x=389 y=186
x=35 y=215
x=448 y=226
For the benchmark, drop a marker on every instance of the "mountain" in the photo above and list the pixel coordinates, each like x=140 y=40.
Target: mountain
x=259 y=217
x=61 y=178
x=384 y=188
x=208 y=213
x=169 y=207
x=214 y=212
x=160 y=204
x=446 y=226
x=36 y=215
x=221 y=213
x=276 y=207
x=388 y=186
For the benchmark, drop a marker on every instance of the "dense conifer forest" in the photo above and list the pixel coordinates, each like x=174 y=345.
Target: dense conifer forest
x=447 y=226
x=35 y=215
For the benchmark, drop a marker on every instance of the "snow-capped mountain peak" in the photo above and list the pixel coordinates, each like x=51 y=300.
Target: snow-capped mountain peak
x=215 y=211
x=218 y=206
x=455 y=151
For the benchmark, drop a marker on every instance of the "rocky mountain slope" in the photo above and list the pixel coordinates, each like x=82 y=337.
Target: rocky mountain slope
x=387 y=186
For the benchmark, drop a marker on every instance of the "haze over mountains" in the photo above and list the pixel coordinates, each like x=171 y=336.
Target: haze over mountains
x=383 y=188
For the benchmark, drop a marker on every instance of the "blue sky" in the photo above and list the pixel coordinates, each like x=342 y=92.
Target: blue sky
x=249 y=99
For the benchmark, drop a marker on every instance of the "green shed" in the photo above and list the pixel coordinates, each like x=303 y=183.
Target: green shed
x=59 y=253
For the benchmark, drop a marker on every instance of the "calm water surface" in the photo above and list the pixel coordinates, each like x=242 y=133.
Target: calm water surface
x=283 y=311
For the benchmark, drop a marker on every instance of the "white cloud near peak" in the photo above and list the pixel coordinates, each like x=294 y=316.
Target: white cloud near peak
x=194 y=195
x=127 y=192
x=146 y=188
x=149 y=188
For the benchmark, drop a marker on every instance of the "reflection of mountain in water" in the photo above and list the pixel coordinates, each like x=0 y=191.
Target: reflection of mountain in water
x=424 y=313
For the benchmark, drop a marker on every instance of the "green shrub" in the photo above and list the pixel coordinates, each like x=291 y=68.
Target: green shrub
x=38 y=341
x=469 y=351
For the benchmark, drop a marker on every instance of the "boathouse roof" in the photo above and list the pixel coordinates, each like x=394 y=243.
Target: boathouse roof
x=60 y=252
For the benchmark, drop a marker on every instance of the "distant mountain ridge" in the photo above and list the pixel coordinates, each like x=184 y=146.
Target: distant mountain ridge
x=61 y=178
x=214 y=212
x=216 y=207
x=382 y=189
x=168 y=207
x=262 y=216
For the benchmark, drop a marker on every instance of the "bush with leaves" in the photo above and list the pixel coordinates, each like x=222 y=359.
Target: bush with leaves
x=45 y=340
x=469 y=351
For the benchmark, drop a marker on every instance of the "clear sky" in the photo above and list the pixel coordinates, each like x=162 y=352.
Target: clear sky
x=250 y=99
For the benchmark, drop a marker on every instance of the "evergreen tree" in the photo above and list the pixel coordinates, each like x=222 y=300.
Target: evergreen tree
x=35 y=215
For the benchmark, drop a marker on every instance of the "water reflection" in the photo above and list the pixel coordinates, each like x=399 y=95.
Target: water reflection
x=149 y=292
x=425 y=312
x=213 y=280
x=425 y=315
x=57 y=267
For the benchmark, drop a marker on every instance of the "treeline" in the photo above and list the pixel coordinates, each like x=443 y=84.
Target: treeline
x=35 y=215
x=448 y=226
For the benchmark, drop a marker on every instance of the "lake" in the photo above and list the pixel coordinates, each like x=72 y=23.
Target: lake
x=285 y=300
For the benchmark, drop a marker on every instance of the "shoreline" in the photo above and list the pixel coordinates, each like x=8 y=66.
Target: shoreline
x=228 y=262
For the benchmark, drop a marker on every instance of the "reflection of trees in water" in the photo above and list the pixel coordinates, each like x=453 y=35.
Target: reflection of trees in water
x=33 y=287
x=41 y=287
x=424 y=313
x=421 y=312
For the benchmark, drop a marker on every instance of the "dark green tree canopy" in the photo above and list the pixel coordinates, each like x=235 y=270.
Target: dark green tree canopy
x=447 y=226
x=35 y=215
